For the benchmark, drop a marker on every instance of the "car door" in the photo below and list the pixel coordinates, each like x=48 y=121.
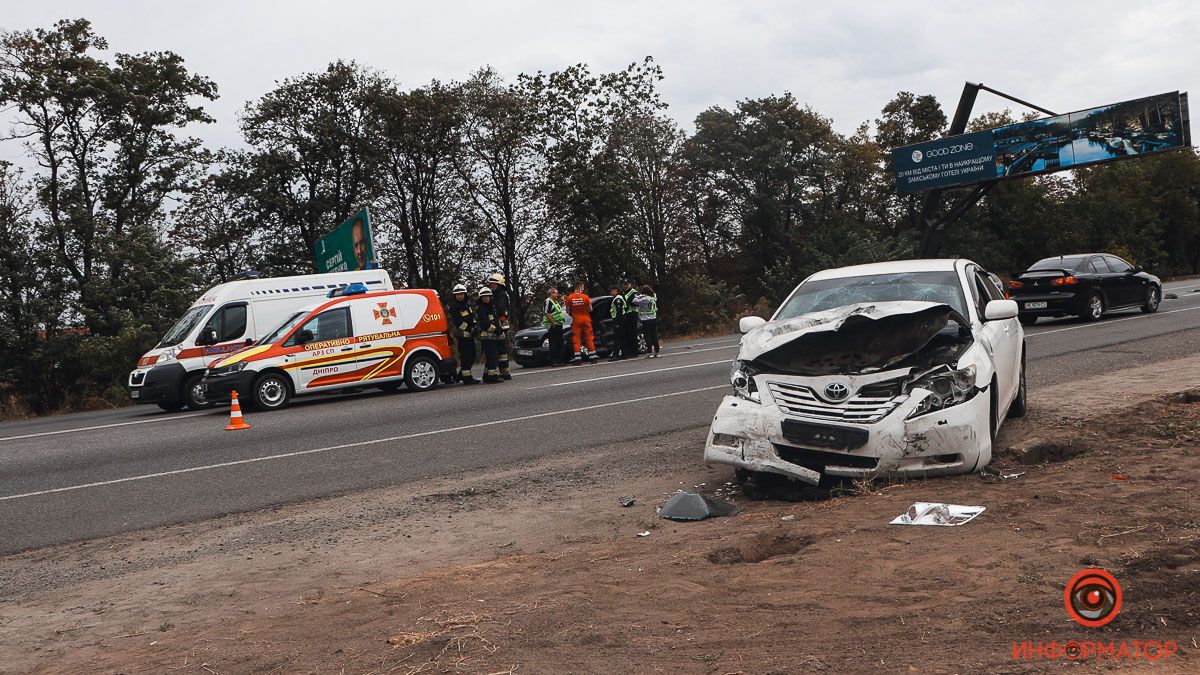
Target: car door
x=328 y=359
x=1001 y=337
x=1129 y=285
x=232 y=324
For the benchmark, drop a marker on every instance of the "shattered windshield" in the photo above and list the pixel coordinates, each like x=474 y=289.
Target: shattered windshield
x=824 y=294
x=184 y=326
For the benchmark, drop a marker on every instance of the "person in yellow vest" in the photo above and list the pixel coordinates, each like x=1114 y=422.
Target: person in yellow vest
x=554 y=315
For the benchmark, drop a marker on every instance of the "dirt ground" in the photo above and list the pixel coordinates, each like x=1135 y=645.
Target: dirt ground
x=535 y=568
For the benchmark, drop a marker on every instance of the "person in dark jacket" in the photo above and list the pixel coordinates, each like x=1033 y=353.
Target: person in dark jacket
x=487 y=320
x=629 y=323
x=462 y=322
x=500 y=299
x=616 y=311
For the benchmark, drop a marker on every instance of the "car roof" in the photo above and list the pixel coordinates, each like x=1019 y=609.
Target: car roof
x=891 y=267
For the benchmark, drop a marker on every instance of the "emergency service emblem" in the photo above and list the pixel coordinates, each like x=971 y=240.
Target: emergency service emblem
x=385 y=314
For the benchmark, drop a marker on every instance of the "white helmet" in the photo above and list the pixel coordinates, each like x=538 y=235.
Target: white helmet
x=496 y=278
x=485 y=291
x=459 y=288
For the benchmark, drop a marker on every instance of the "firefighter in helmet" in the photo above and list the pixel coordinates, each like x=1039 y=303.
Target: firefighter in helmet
x=499 y=290
x=487 y=320
x=462 y=318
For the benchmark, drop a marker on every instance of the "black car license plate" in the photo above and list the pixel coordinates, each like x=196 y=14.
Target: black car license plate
x=824 y=435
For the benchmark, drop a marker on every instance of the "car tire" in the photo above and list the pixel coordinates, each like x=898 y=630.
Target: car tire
x=272 y=391
x=1020 y=403
x=1027 y=320
x=389 y=387
x=421 y=373
x=1153 y=299
x=1094 y=309
x=192 y=393
x=171 y=407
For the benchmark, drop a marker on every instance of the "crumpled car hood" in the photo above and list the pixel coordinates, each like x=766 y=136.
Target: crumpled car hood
x=851 y=339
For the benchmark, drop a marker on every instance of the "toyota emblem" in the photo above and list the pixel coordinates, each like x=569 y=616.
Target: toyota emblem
x=836 y=391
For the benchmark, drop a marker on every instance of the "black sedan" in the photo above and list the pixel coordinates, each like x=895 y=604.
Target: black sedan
x=1086 y=285
x=533 y=349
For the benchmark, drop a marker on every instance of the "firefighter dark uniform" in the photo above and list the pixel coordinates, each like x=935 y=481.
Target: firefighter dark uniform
x=616 y=311
x=500 y=301
x=487 y=323
x=462 y=319
x=629 y=324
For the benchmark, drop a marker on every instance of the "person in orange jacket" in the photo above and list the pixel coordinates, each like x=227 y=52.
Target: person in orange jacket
x=579 y=305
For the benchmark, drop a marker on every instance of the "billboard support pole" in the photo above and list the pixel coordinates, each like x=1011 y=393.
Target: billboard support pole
x=933 y=227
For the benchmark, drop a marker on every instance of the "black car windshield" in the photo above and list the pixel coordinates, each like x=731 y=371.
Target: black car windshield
x=1068 y=262
x=184 y=326
x=288 y=324
x=818 y=296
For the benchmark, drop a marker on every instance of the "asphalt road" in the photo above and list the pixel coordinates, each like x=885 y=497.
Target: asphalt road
x=93 y=474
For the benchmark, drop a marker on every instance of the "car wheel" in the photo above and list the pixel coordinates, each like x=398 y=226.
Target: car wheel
x=1027 y=320
x=272 y=391
x=1153 y=298
x=422 y=373
x=1021 y=401
x=389 y=387
x=193 y=394
x=171 y=407
x=1094 y=309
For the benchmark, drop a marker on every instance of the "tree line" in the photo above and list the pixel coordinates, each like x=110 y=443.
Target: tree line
x=120 y=216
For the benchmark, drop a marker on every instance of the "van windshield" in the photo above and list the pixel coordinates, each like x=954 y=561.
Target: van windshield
x=288 y=324
x=184 y=326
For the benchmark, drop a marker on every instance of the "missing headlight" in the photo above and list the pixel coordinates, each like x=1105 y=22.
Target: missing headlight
x=742 y=379
x=946 y=388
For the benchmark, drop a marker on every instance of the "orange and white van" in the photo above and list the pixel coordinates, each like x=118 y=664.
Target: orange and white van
x=349 y=341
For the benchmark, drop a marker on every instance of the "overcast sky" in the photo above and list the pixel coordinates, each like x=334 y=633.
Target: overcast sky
x=844 y=58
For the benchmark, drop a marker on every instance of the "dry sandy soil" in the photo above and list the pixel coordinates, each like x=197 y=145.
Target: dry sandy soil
x=535 y=568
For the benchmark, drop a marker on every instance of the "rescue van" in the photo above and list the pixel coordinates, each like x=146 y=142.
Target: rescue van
x=354 y=339
x=224 y=319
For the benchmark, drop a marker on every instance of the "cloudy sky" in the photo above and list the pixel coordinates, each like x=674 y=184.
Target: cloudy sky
x=845 y=58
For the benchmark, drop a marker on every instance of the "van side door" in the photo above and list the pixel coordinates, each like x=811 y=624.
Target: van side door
x=381 y=324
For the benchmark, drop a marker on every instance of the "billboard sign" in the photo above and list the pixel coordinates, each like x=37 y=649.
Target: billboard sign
x=1128 y=129
x=348 y=247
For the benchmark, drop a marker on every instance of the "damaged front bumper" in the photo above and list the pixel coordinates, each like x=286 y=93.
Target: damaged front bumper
x=759 y=436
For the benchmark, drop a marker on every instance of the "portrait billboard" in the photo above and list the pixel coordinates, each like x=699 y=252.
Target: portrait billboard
x=348 y=247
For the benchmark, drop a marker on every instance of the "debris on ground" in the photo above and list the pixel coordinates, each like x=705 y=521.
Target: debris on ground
x=932 y=513
x=692 y=506
x=994 y=473
x=627 y=501
x=788 y=518
x=644 y=534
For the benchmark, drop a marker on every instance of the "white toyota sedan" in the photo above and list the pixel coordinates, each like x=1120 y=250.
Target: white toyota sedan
x=903 y=368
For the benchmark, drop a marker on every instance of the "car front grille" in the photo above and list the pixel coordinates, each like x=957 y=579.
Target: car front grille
x=871 y=404
x=529 y=342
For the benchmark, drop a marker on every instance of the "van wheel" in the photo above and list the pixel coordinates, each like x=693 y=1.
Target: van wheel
x=193 y=394
x=272 y=391
x=422 y=373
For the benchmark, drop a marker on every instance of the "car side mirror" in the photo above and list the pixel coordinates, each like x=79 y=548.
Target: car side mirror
x=249 y=341
x=749 y=323
x=1136 y=269
x=208 y=337
x=304 y=337
x=997 y=310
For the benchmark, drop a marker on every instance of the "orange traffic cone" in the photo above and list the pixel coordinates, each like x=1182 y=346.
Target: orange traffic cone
x=235 y=415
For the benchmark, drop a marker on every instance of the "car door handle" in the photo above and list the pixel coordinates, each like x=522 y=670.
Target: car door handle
x=363 y=346
x=346 y=349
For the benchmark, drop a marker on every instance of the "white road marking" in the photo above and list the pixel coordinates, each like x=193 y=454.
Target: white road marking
x=102 y=426
x=331 y=448
x=640 y=372
x=1108 y=322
